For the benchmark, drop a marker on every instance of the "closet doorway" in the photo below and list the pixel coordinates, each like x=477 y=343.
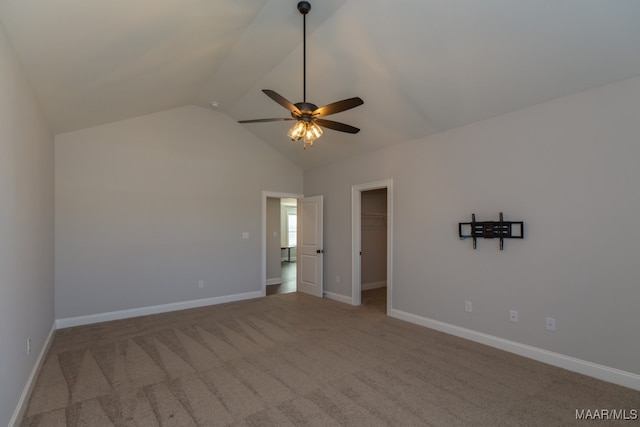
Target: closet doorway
x=372 y=226
x=373 y=249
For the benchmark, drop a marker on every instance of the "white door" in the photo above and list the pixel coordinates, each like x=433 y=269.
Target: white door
x=309 y=255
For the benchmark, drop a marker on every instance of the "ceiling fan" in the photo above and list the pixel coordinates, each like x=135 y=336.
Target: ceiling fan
x=309 y=123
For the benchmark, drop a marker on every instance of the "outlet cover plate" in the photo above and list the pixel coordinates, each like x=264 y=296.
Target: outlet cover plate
x=550 y=324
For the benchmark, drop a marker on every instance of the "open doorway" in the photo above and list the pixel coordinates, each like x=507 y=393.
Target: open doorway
x=373 y=249
x=279 y=243
x=285 y=227
x=372 y=244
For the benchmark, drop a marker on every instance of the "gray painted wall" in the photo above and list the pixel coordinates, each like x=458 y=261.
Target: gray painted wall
x=26 y=230
x=147 y=207
x=569 y=169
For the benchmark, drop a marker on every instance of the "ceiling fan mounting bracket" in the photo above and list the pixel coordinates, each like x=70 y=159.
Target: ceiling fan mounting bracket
x=304 y=7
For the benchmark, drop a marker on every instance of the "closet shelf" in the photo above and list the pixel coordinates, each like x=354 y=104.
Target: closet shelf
x=374 y=221
x=374 y=215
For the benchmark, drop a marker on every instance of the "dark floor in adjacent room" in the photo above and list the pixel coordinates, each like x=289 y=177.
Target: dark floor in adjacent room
x=288 y=276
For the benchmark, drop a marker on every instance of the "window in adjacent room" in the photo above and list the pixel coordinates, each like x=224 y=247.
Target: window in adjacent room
x=292 y=228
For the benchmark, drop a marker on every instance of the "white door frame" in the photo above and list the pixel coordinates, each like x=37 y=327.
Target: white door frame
x=356 y=223
x=263 y=247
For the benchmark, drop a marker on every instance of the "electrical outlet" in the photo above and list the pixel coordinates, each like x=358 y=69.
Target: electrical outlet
x=551 y=324
x=513 y=316
x=468 y=307
x=201 y=284
x=28 y=346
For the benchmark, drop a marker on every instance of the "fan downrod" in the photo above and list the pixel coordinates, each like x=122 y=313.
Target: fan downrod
x=304 y=7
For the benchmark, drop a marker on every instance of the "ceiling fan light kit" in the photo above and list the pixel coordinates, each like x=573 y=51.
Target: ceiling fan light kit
x=307 y=131
x=308 y=126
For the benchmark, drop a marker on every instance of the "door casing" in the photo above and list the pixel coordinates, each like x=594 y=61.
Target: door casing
x=356 y=238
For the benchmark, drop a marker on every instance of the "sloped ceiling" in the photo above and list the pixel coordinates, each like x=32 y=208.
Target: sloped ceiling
x=421 y=66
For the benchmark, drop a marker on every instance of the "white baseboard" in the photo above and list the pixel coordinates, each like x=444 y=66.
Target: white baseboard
x=373 y=285
x=601 y=372
x=337 y=297
x=274 y=281
x=18 y=413
x=144 y=311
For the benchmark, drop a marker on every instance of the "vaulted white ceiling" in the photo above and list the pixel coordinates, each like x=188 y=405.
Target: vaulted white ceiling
x=421 y=66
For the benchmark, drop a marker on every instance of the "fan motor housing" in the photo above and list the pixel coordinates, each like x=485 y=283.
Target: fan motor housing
x=306 y=107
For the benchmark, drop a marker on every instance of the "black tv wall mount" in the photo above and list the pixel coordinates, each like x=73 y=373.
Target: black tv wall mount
x=491 y=230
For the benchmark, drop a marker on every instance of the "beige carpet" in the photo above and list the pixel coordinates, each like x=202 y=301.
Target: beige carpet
x=291 y=360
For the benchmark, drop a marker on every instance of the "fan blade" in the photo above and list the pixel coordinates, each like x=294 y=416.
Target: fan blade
x=337 y=107
x=336 y=126
x=263 y=120
x=282 y=101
